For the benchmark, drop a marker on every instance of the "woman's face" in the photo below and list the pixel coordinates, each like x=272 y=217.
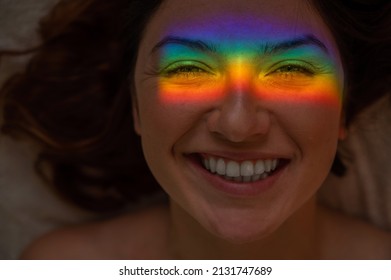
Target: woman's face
x=238 y=104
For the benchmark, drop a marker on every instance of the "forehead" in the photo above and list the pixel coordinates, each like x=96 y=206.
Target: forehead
x=232 y=21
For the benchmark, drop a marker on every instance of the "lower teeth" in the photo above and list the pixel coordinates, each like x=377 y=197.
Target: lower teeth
x=245 y=179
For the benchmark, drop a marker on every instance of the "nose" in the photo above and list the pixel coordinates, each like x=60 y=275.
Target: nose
x=239 y=117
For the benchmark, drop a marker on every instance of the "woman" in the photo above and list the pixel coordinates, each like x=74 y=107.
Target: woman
x=239 y=107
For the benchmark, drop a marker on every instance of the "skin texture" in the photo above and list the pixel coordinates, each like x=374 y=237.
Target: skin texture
x=236 y=101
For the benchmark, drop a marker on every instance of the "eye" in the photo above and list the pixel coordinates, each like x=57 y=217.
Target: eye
x=294 y=69
x=292 y=73
x=186 y=69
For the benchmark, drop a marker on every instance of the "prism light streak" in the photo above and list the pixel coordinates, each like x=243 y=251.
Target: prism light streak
x=241 y=77
x=251 y=56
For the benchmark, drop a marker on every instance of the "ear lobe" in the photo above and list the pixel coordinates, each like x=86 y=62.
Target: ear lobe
x=136 y=116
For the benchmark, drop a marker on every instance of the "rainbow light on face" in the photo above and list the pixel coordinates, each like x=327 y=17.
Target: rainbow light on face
x=233 y=64
x=242 y=79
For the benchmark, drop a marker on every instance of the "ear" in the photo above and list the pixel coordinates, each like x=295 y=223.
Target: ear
x=136 y=121
x=342 y=134
x=135 y=113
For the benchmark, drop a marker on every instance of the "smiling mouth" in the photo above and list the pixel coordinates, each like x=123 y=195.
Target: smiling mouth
x=246 y=171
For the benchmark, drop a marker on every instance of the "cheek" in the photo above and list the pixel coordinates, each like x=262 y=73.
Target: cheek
x=311 y=124
x=311 y=118
x=312 y=111
x=313 y=129
x=169 y=110
x=157 y=133
x=314 y=126
x=163 y=123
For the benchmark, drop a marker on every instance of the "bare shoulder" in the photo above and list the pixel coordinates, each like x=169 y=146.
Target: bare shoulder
x=351 y=238
x=138 y=235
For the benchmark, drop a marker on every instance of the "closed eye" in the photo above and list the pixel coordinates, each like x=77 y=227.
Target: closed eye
x=292 y=73
x=186 y=69
x=291 y=68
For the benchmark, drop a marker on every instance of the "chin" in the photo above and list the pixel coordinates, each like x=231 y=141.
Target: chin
x=240 y=236
x=244 y=232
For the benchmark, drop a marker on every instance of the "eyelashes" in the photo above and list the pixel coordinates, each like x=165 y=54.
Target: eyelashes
x=186 y=67
x=290 y=73
x=295 y=67
x=292 y=69
x=286 y=71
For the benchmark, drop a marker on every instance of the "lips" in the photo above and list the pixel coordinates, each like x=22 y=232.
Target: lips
x=239 y=171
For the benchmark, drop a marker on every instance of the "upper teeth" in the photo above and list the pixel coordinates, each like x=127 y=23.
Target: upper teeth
x=233 y=168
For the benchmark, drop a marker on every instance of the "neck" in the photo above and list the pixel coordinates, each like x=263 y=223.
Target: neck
x=295 y=239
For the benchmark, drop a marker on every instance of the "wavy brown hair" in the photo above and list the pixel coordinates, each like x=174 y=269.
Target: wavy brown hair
x=74 y=95
x=73 y=98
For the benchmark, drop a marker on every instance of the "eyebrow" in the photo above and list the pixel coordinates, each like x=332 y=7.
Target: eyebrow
x=267 y=48
x=193 y=44
x=283 y=46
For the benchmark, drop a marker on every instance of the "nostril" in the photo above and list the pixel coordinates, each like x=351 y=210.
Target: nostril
x=239 y=127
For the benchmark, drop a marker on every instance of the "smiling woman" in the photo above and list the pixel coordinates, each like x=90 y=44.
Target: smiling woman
x=254 y=101
x=239 y=106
